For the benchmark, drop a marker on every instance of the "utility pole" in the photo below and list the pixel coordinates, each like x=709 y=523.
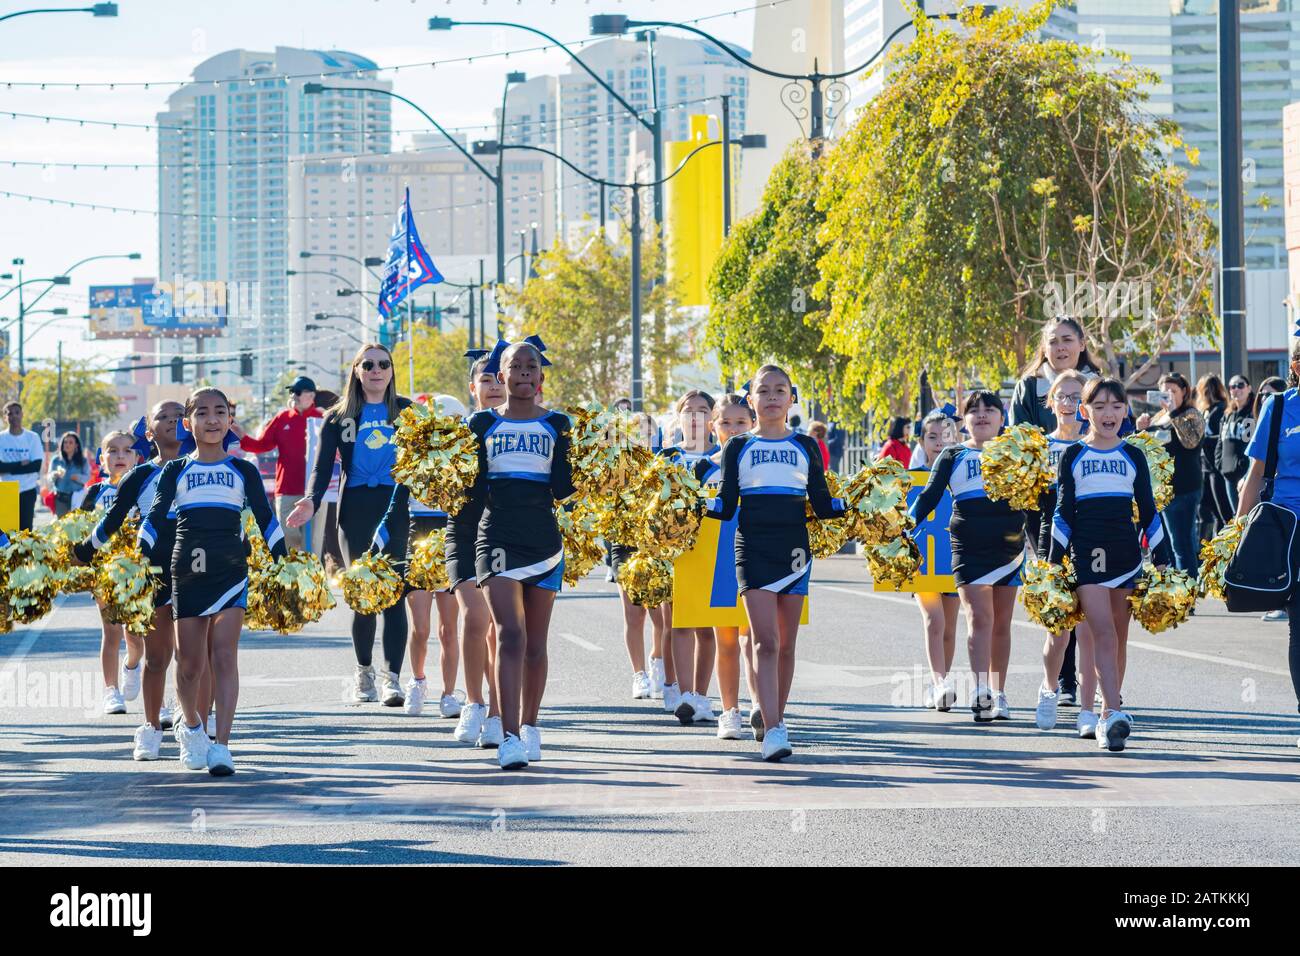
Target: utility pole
x=1232 y=226
x=58 y=399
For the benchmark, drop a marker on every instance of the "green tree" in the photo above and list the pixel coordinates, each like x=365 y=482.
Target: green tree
x=580 y=305
x=762 y=306
x=440 y=363
x=86 y=395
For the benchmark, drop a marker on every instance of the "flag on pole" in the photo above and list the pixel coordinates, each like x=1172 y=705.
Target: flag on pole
x=408 y=266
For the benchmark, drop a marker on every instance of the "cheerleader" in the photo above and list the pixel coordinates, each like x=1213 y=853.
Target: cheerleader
x=208 y=490
x=519 y=555
x=118 y=457
x=777 y=469
x=1099 y=481
x=938 y=610
x=988 y=549
x=694 y=648
x=360 y=429
x=659 y=681
x=732 y=416
x=1063 y=399
x=133 y=495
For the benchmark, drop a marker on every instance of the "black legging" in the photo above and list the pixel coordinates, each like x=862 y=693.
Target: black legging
x=1293 y=652
x=360 y=511
x=27 y=509
x=1034 y=520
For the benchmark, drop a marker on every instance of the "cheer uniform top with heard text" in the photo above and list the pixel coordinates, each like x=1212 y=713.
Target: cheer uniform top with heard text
x=1047 y=500
x=208 y=562
x=619 y=553
x=988 y=537
x=523 y=469
x=1093 y=522
x=774 y=478
x=134 y=495
x=101 y=494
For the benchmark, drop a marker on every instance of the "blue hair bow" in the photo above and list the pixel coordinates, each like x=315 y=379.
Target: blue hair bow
x=794 y=392
x=188 y=445
x=142 y=445
x=475 y=354
x=494 y=358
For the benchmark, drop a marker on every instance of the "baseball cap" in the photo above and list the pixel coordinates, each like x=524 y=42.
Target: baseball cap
x=301 y=384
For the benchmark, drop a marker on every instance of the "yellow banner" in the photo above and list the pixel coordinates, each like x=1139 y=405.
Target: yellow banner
x=935 y=574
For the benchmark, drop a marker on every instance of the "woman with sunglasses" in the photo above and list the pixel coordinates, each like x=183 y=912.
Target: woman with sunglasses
x=1234 y=436
x=360 y=428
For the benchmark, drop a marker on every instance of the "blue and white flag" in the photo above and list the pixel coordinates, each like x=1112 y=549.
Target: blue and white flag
x=408 y=266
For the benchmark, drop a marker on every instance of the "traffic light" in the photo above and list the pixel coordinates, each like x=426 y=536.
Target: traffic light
x=246 y=364
x=178 y=369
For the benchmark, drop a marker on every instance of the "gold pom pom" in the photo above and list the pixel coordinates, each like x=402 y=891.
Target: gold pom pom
x=620 y=513
x=1163 y=598
x=827 y=535
x=427 y=568
x=1215 y=555
x=603 y=453
x=669 y=515
x=648 y=581
x=34 y=576
x=437 y=457
x=1049 y=597
x=1015 y=467
x=286 y=594
x=73 y=528
x=893 y=562
x=259 y=555
x=371 y=584
x=876 y=498
x=1159 y=464
x=125 y=582
x=582 y=551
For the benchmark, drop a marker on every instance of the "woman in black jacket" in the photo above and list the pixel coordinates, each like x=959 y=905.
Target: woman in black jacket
x=1234 y=435
x=360 y=429
x=1182 y=428
x=1216 y=510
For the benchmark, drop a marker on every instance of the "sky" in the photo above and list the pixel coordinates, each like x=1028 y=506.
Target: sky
x=156 y=41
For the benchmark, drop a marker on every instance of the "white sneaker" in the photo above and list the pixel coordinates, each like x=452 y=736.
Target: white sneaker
x=981 y=705
x=194 y=747
x=776 y=743
x=640 y=686
x=147 y=743
x=532 y=741
x=945 y=697
x=165 y=716
x=415 y=692
x=131 y=680
x=470 y=724
x=365 y=691
x=730 y=726
x=211 y=726
x=113 y=702
x=1279 y=615
x=220 y=763
x=511 y=754
x=1086 y=725
x=450 y=705
x=1001 y=711
x=703 y=709
x=491 y=735
x=390 y=690
x=928 y=698
x=1045 y=715
x=656 y=678
x=1113 y=731
x=672 y=698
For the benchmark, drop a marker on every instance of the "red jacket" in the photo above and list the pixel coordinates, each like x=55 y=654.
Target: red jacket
x=897 y=450
x=287 y=434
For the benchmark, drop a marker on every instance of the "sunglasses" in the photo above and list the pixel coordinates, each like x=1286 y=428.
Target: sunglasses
x=1237 y=385
x=383 y=364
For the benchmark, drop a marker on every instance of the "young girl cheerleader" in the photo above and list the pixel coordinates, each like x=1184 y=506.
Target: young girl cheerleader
x=134 y=495
x=360 y=428
x=208 y=490
x=731 y=417
x=519 y=555
x=776 y=469
x=659 y=681
x=119 y=457
x=694 y=648
x=988 y=549
x=1100 y=479
x=1063 y=398
x=938 y=610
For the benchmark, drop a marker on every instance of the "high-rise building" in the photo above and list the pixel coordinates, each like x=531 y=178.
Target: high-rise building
x=228 y=144
x=595 y=131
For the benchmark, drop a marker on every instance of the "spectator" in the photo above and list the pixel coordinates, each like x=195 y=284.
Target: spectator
x=900 y=430
x=22 y=456
x=286 y=433
x=1182 y=428
x=69 y=473
x=1212 y=401
x=1062 y=346
x=1270 y=386
x=818 y=431
x=835 y=443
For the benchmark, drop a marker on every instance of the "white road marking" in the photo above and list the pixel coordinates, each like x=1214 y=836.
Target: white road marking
x=584 y=644
x=1159 y=648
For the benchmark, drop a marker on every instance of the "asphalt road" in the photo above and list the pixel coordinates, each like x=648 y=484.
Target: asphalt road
x=1211 y=775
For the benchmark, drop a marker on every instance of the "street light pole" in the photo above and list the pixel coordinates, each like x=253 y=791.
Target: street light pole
x=636 y=297
x=97 y=10
x=1232 y=226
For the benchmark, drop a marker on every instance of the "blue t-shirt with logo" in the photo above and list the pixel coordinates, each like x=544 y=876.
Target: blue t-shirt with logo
x=1286 y=486
x=374 y=454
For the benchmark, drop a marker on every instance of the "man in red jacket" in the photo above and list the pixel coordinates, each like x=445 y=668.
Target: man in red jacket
x=287 y=434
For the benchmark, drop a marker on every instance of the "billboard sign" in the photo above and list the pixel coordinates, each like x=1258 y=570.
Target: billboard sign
x=167 y=309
